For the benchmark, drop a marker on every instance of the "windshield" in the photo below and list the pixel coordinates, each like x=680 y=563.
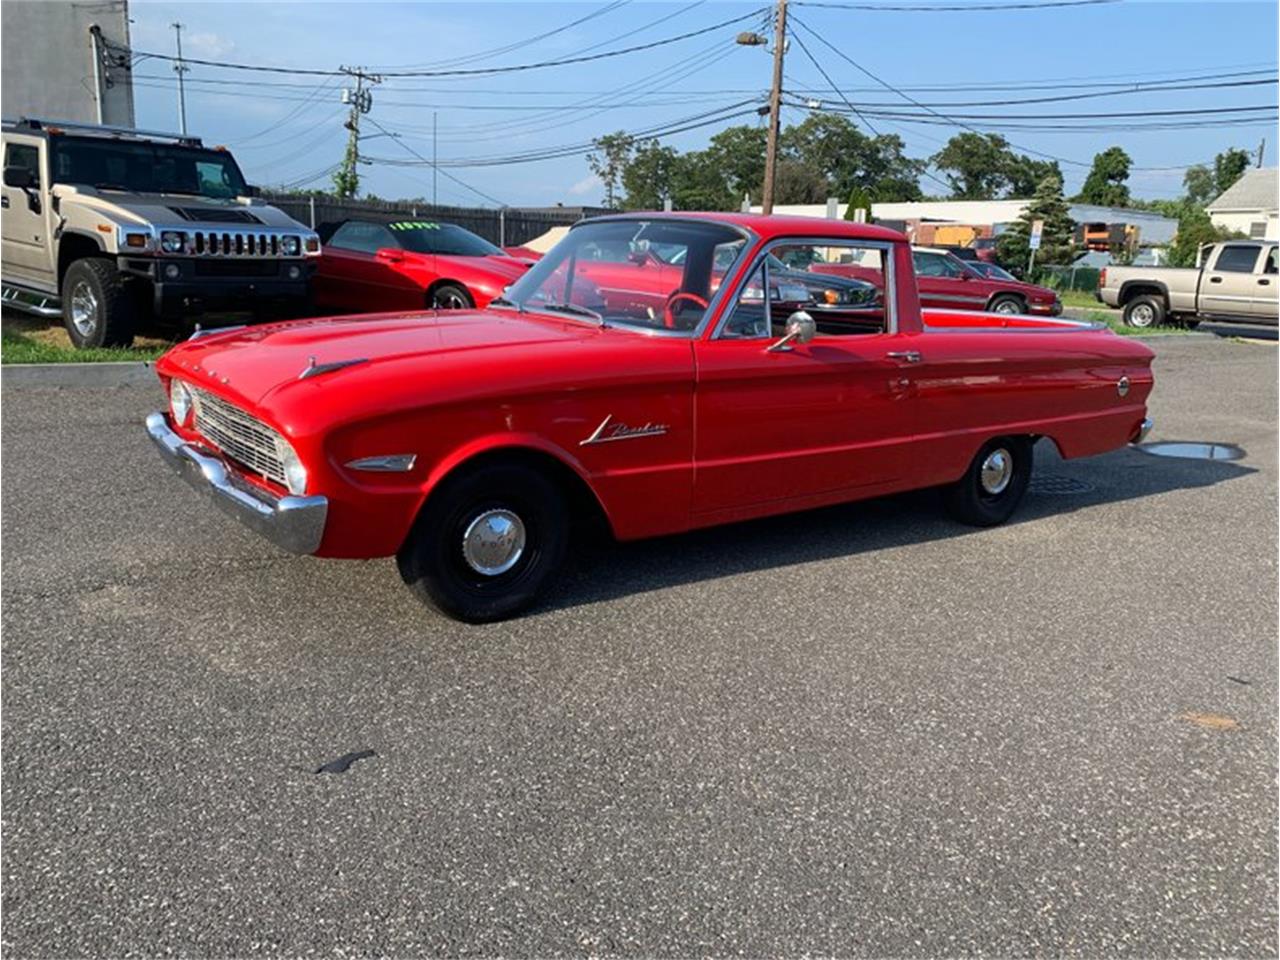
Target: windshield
x=448 y=239
x=657 y=274
x=146 y=167
x=999 y=273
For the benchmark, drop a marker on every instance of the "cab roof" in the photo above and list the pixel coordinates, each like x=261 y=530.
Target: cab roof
x=769 y=227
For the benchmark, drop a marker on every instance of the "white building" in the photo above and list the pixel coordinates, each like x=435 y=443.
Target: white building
x=1250 y=206
x=1155 y=230
x=57 y=61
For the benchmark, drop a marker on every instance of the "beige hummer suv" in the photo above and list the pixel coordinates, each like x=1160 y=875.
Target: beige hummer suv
x=110 y=227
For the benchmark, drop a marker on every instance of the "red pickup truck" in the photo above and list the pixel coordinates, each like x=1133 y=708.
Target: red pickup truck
x=466 y=442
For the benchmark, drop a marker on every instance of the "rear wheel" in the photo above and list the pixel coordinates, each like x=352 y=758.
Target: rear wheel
x=487 y=542
x=451 y=296
x=98 y=309
x=1007 y=304
x=1144 y=311
x=992 y=487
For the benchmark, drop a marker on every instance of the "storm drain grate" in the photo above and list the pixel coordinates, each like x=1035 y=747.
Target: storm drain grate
x=1059 y=486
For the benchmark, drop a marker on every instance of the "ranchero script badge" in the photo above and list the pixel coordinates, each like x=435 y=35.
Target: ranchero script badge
x=608 y=431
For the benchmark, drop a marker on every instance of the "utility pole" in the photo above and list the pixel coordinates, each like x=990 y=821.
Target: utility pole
x=1262 y=149
x=775 y=107
x=180 y=68
x=347 y=181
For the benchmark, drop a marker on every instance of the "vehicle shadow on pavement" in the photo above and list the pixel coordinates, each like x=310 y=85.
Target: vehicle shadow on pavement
x=599 y=571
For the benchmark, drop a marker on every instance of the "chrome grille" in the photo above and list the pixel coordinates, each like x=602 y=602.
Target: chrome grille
x=244 y=439
x=238 y=243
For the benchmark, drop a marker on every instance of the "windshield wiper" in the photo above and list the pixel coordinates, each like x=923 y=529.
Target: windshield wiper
x=575 y=310
x=504 y=302
x=114 y=186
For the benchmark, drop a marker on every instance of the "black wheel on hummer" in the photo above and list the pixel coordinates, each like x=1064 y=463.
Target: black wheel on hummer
x=98 y=309
x=1146 y=310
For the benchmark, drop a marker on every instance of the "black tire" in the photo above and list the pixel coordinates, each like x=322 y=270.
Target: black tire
x=1191 y=324
x=1006 y=303
x=971 y=500
x=451 y=296
x=434 y=561
x=98 y=309
x=1144 y=311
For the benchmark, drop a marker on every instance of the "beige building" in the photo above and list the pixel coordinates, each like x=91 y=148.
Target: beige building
x=57 y=61
x=1251 y=205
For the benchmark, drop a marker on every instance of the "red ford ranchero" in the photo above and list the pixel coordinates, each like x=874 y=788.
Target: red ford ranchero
x=466 y=443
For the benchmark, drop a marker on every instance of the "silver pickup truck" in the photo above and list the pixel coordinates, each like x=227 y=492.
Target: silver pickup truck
x=1235 y=280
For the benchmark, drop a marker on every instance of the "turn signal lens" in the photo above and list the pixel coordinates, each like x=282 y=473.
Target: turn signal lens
x=137 y=240
x=295 y=474
x=313 y=244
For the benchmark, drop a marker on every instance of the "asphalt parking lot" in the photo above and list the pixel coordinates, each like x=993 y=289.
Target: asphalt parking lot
x=858 y=731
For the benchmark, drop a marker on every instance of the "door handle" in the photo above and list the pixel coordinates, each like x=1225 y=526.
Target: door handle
x=4 y=202
x=1215 y=279
x=906 y=356
x=1265 y=282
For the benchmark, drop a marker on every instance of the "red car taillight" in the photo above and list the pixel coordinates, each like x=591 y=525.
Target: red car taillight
x=1102 y=278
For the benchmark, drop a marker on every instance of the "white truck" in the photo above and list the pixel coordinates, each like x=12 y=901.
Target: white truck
x=110 y=227
x=1235 y=280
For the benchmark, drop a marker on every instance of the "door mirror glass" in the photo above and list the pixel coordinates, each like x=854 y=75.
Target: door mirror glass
x=801 y=328
x=19 y=177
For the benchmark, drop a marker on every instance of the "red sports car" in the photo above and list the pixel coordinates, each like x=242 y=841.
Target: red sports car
x=367 y=266
x=946 y=282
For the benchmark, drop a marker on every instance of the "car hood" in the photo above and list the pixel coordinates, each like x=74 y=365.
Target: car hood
x=252 y=362
x=175 y=210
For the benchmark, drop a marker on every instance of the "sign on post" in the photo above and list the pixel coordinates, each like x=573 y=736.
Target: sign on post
x=1037 y=228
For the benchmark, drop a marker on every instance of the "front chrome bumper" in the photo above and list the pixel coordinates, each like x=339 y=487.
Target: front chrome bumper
x=1143 y=429
x=293 y=523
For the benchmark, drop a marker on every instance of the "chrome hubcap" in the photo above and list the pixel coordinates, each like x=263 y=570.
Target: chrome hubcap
x=84 y=309
x=493 y=542
x=997 y=471
x=450 y=300
x=1142 y=315
x=1006 y=306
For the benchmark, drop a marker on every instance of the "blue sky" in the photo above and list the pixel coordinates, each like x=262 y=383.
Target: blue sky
x=283 y=127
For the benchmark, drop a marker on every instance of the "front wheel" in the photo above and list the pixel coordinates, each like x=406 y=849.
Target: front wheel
x=451 y=296
x=1007 y=305
x=992 y=487
x=98 y=309
x=487 y=542
x=1144 y=311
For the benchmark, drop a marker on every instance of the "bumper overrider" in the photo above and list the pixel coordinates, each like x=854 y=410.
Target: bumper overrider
x=295 y=524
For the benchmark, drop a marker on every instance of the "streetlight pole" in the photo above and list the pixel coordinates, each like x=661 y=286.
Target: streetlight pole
x=775 y=107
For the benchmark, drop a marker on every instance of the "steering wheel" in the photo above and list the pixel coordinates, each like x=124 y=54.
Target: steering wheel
x=668 y=315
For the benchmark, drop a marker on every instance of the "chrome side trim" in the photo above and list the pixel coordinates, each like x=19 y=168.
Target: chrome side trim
x=313 y=369
x=295 y=524
x=387 y=463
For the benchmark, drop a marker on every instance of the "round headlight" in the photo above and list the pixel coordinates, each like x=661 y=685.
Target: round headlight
x=290 y=246
x=179 y=401
x=173 y=241
x=295 y=474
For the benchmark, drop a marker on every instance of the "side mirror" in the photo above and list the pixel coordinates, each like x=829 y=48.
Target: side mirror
x=801 y=328
x=389 y=254
x=19 y=177
x=249 y=191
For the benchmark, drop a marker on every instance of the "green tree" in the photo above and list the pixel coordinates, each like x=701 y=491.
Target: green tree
x=859 y=199
x=1023 y=174
x=1106 y=183
x=1194 y=229
x=1204 y=185
x=847 y=158
x=1199 y=184
x=798 y=181
x=1056 y=240
x=976 y=165
x=608 y=160
x=739 y=153
x=649 y=176
x=699 y=184
x=346 y=180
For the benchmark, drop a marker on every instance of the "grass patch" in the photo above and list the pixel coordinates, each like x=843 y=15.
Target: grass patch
x=1077 y=298
x=32 y=340
x=1118 y=326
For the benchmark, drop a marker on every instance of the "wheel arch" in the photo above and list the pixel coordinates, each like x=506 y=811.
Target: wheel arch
x=585 y=506
x=1138 y=288
x=439 y=282
x=75 y=245
x=1007 y=295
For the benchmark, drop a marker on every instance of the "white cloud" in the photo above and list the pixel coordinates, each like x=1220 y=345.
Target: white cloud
x=586 y=185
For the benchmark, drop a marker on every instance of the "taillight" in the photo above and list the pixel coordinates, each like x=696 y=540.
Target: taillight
x=1102 y=278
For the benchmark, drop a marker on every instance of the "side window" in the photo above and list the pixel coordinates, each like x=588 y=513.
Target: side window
x=362 y=237
x=23 y=155
x=840 y=285
x=930 y=264
x=1237 y=259
x=1271 y=261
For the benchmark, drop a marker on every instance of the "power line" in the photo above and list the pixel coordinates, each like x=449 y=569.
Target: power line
x=827 y=77
x=942 y=8
x=478 y=71
x=433 y=164
x=955 y=117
